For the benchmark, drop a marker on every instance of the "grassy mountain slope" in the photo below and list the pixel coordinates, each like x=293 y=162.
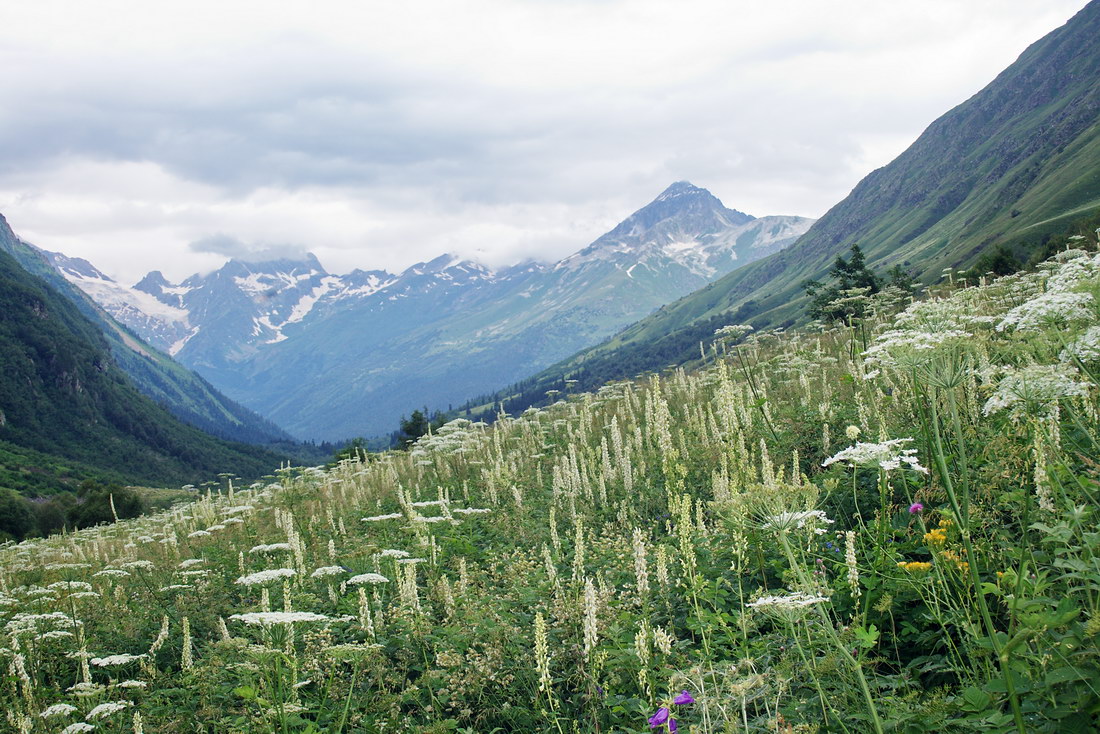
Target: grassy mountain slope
x=63 y=396
x=185 y=394
x=1015 y=164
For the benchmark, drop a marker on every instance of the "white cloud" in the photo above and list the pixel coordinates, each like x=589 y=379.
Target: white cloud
x=379 y=134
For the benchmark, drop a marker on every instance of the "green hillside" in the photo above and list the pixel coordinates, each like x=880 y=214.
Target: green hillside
x=1015 y=165
x=68 y=412
x=182 y=392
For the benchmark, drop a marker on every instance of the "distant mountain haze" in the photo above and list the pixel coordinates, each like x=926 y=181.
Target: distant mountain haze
x=330 y=356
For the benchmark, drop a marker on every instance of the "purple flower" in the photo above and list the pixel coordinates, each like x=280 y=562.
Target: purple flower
x=683 y=698
x=672 y=724
x=915 y=508
x=658 y=718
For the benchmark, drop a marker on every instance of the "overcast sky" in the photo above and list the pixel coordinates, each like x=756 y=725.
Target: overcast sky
x=161 y=135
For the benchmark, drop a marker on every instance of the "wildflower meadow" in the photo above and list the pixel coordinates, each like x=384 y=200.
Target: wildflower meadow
x=886 y=525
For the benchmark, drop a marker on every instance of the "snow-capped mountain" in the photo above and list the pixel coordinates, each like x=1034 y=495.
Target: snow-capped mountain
x=157 y=322
x=331 y=356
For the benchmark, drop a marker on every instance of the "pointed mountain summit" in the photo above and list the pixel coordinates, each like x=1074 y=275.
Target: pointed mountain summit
x=681 y=211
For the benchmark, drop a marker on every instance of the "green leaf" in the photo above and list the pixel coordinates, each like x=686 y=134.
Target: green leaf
x=1064 y=675
x=976 y=700
x=248 y=693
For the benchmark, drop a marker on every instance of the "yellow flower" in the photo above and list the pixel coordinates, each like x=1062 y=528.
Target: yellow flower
x=915 y=565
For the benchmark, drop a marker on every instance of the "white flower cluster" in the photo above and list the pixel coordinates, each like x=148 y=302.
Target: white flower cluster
x=117 y=572
x=269 y=548
x=1076 y=268
x=380 y=518
x=792 y=600
x=732 y=331
x=106 y=709
x=887 y=455
x=77 y=728
x=905 y=348
x=1086 y=347
x=270 y=618
x=787 y=520
x=327 y=571
x=70 y=586
x=471 y=510
x=58 y=709
x=1036 y=387
x=111 y=660
x=1049 y=309
x=263 y=577
x=394 y=553
x=368 y=578
x=25 y=622
x=456 y=437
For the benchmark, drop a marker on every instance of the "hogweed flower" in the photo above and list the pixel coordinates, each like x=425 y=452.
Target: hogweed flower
x=791 y=600
x=104 y=710
x=77 y=728
x=887 y=455
x=270 y=618
x=58 y=709
x=263 y=577
x=368 y=578
x=798 y=520
x=111 y=660
x=1034 y=389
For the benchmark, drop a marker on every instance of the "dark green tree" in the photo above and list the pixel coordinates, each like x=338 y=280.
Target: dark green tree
x=846 y=296
x=16 y=516
x=95 y=503
x=416 y=426
x=356 y=448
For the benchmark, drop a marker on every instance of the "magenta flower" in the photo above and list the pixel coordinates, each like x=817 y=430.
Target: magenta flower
x=683 y=698
x=659 y=718
x=915 y=508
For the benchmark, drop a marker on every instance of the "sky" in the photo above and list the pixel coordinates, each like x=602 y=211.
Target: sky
x=167 y=135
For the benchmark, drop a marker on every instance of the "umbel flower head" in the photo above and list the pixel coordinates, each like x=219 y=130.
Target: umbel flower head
x=887 y=455
x=1034 y=389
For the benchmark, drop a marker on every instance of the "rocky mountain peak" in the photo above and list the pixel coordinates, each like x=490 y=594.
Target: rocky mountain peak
x=680 y=209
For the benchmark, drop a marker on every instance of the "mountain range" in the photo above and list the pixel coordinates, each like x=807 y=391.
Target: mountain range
x=69 y=413
x=179 y=390
x=332 y=356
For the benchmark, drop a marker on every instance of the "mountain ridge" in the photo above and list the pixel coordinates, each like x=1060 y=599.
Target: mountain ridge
x=184 y=393
x=445 y=329
x=62 y=395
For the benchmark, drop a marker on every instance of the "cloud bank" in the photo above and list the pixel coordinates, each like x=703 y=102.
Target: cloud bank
x=173 y=136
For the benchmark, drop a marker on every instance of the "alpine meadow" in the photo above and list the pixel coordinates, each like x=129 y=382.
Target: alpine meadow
x=713 y=472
